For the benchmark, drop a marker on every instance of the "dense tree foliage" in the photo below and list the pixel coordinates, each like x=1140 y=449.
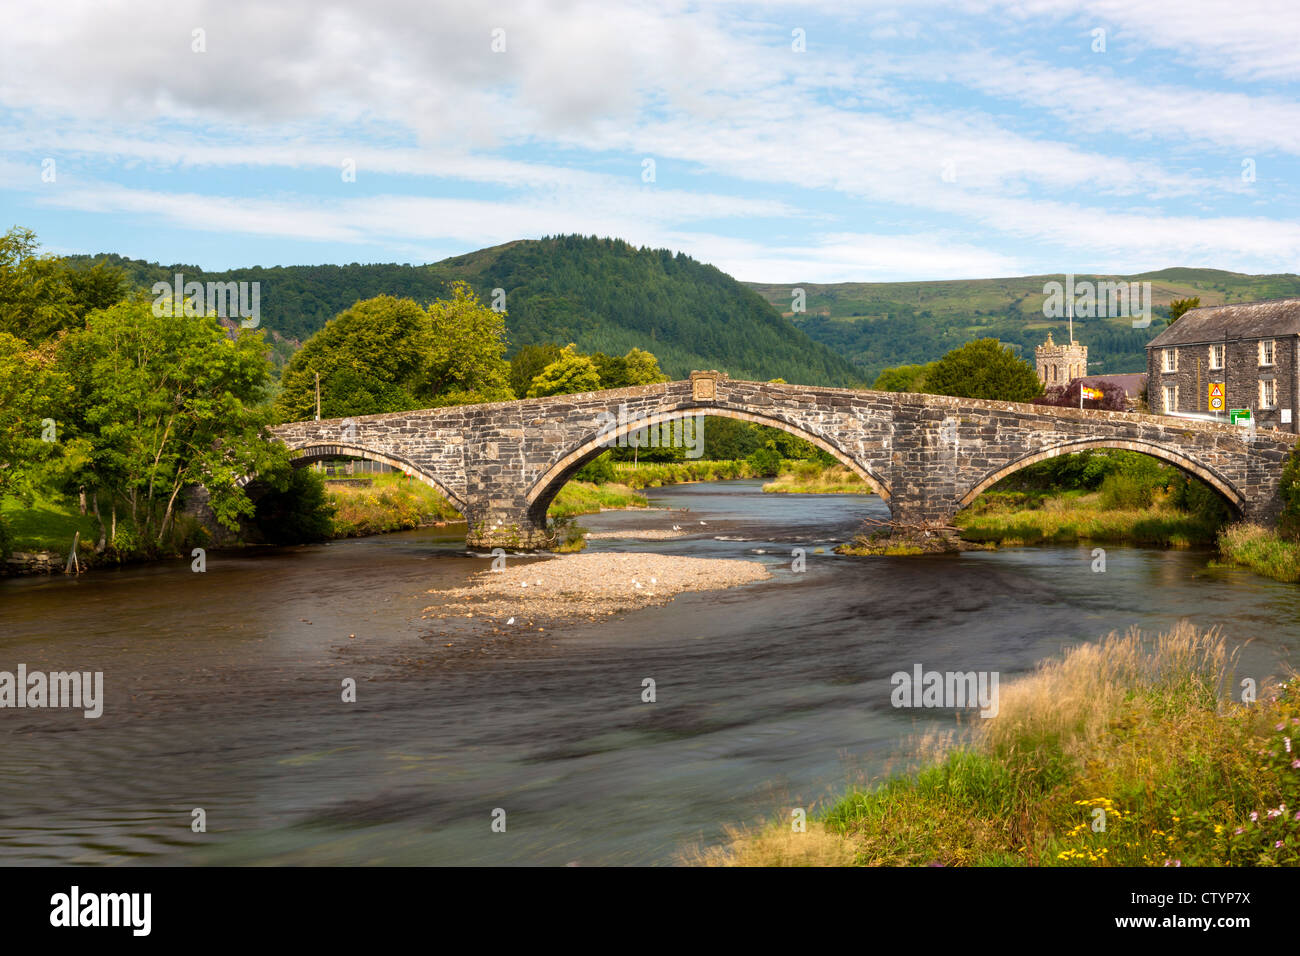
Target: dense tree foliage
x=389 y=355
x=571 y=372
x=904 y=378
x=162 y=404
x=984 y=368
x=42 y=295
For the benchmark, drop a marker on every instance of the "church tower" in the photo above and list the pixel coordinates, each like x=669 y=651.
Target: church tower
x=1058 y=364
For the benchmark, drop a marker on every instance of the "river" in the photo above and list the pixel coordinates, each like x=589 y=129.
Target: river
x=223 y=690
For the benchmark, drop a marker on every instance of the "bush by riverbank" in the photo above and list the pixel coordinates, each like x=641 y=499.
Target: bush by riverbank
x=1263 y=551
x=1120 y=753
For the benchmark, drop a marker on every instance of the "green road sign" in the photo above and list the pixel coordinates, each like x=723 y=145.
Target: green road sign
x=1239 y=416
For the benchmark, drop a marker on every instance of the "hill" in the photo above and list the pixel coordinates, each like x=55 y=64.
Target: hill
x=602 y=294
x=880 y=324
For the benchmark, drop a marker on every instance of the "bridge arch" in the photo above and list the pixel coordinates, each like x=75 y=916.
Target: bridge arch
x=1212 y=478
x=308 y=454
x=545 y=488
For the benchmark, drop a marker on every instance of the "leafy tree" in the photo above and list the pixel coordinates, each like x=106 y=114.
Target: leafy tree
x=163 y=404
x=984 y=368
x=902 y=378
x=1178 y=307
x=29 y=429
x=41 y=295
x=370 y=359
x=571 y=372
x=528 y=363
x=466 y=362
x=766 y=461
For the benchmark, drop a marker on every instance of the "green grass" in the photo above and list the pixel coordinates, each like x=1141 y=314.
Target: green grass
x=391 y=502
x=1046 y=518
x=1261 y=550
x=47 y=524
x=580 y=498
x=1120 y=753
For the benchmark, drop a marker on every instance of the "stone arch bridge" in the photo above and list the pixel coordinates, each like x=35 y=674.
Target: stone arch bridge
x=927 y=456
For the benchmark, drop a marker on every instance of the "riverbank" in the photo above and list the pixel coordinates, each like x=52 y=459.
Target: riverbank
x=1262 y=550
x=42 y=534
x=1018 y=518
x=1125 y=752
x=539 y=594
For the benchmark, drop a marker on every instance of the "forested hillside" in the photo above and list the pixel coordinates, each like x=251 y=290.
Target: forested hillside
x=877 y=325
x=601 y=294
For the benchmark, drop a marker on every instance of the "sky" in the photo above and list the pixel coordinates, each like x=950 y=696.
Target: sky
x=780 y=142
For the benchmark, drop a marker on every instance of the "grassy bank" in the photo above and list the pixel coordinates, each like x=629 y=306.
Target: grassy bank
x=656 y=474
x=814 y=478
x=1014 y=518
x=1262 y=550
x=1120 y=753
x=390 y=502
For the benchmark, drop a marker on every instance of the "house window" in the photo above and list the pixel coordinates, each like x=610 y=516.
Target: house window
x=1266 y=352
x=1267 y=393
x=1171 y=398
x=1170 y=357
x=1216 y=356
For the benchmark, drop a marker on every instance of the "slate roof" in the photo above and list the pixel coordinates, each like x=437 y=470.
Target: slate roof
x=1246 y=320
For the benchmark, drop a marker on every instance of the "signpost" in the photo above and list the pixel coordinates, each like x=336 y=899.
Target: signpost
x=1216 y=397
x=1239 y=416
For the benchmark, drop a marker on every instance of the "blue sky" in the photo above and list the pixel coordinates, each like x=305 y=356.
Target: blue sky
x=904 y=141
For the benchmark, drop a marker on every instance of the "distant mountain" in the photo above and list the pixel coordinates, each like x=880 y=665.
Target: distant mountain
x=881 y=324
x=602 y=294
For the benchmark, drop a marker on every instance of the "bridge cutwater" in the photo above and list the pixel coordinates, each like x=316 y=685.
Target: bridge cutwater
x=927 y=456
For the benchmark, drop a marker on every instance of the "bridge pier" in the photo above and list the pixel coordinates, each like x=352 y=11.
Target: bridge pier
x=513 y=528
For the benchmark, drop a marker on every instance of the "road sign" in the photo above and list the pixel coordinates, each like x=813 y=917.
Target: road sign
x=1239 y=416
x=1216 y=396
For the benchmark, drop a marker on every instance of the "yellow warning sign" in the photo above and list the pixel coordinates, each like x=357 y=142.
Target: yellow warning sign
x=1216 y=396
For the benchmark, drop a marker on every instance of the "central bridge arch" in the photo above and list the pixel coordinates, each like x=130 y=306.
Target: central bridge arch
x=545 y=488
x=1216 y=481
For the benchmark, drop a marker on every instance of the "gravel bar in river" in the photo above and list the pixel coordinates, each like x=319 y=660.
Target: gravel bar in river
x=571 y=587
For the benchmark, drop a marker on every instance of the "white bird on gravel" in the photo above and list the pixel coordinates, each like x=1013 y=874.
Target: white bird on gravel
x=703 y=522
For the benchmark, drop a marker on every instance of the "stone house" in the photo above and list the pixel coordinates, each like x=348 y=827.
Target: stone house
x=1251 y=350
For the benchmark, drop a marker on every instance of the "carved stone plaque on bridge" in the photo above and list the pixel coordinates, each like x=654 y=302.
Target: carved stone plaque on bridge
x=704 y=386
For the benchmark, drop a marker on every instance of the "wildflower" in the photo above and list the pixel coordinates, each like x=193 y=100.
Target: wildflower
x=1286 y=742
x=1240 y=830
x=1277 y=845
x=1295 y=764
x=1281 y=726
x=1254 y=815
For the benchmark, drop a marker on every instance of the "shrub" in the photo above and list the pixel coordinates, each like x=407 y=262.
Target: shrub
x=598 y=471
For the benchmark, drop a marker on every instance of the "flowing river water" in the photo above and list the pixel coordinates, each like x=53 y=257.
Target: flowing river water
x=222 y=689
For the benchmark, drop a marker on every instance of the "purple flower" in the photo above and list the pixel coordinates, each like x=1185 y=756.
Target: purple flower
x=1295 y=764
x=1240 y=830
x=1277 y=845
x=1254 y=815
x=1281 y=726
